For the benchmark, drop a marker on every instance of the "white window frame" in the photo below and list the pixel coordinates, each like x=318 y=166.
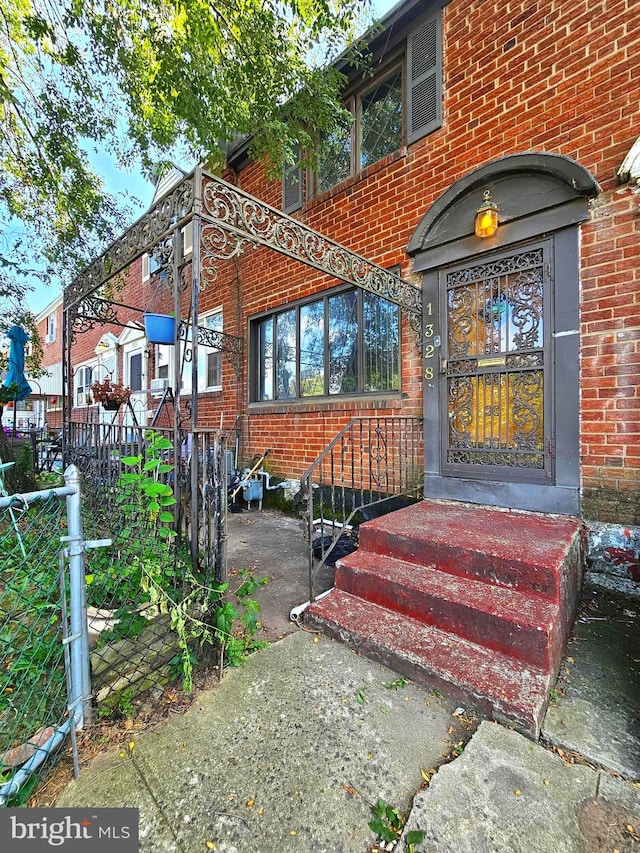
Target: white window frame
x=83 y=389
x=205 y=352
x=50 y=336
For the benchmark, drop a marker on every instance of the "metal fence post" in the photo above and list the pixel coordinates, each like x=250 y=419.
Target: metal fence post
x=80 y=698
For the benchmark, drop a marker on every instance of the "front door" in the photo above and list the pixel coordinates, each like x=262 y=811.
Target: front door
x=495 y=367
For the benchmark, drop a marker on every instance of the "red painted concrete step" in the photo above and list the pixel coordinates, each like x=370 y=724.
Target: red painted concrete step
x=529 y=552
x=499 y=686
x=524 y=626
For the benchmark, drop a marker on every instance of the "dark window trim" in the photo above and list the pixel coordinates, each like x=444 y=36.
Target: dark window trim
x=254 y=351
x=415 y=95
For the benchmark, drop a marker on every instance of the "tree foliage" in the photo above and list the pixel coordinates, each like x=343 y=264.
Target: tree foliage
x=147 y=81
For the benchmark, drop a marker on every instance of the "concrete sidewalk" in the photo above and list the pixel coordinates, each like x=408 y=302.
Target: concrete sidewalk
x=290 y=752
x=287 y=754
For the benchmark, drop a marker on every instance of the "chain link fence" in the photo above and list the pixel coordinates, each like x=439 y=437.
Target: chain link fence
x=38 y=698
x=102 y=602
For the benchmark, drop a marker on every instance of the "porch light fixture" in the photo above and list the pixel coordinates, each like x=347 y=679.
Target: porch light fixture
x=487 y=216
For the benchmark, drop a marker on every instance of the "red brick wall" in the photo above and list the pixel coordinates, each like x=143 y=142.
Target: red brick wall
x=560 y=76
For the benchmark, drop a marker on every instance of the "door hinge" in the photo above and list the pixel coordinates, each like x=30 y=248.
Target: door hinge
x=550 y=448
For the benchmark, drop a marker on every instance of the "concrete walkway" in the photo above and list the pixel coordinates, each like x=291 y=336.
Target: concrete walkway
x=287 y=754
x=290 y=752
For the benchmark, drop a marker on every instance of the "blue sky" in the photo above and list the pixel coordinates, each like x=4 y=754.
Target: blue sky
x=132 y=187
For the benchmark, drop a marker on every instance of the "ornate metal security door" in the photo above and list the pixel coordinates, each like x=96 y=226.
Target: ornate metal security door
x=495 y=370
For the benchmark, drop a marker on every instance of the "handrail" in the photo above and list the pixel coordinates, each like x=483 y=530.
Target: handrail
x=370 y=461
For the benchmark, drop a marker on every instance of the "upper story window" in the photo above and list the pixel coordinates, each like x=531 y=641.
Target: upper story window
x=346 y=342
x=400 y=105
x=377 y=130
x=50 y=336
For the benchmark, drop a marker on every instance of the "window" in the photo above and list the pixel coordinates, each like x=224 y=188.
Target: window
x=376 y=130
x=210 y=359
x=82 y=385
x=51 y=329
x=163 y=361
x=400 y=106
x=155 y=263
x=347 y=342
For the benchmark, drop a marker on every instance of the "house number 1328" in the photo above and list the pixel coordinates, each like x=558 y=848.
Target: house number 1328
x=429 y=349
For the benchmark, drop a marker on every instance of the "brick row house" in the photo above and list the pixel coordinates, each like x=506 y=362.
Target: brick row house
x=492 y=169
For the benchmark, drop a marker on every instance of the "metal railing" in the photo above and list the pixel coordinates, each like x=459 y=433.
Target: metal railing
x=199 y=479
x=370 y=462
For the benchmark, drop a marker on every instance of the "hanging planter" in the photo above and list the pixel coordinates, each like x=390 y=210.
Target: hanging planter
x=110 y=395
x=160 y=328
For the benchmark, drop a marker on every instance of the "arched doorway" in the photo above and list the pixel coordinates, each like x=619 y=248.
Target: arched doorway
x=501 y=335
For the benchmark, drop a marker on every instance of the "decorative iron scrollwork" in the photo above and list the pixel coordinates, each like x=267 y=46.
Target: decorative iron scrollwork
x=157 y=224
x=253 y=220
x=218 y=244
x=496 y=362
x=229 y=345
x=91 y=311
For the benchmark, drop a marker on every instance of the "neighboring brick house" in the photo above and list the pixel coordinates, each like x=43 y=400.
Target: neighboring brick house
x=531 y=336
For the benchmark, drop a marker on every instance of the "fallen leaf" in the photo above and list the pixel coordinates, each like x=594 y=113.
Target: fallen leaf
x=251 y=803
x=210 y=845
x=293 y=832
x=425 y=775
x=315 y=640
x=517 y=792
x=545 y=781
x=350 y=790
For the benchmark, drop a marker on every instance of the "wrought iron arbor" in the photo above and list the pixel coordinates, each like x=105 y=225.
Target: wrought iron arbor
x=225 y=221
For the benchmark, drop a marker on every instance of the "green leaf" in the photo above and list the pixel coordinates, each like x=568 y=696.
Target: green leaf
x=380 y=808
x=131 y=460
x=414 y=836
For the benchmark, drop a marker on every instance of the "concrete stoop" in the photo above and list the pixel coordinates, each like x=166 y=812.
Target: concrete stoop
x=476 y=601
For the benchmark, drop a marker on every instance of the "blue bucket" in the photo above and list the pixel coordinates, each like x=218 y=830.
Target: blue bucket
x=160 y=328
